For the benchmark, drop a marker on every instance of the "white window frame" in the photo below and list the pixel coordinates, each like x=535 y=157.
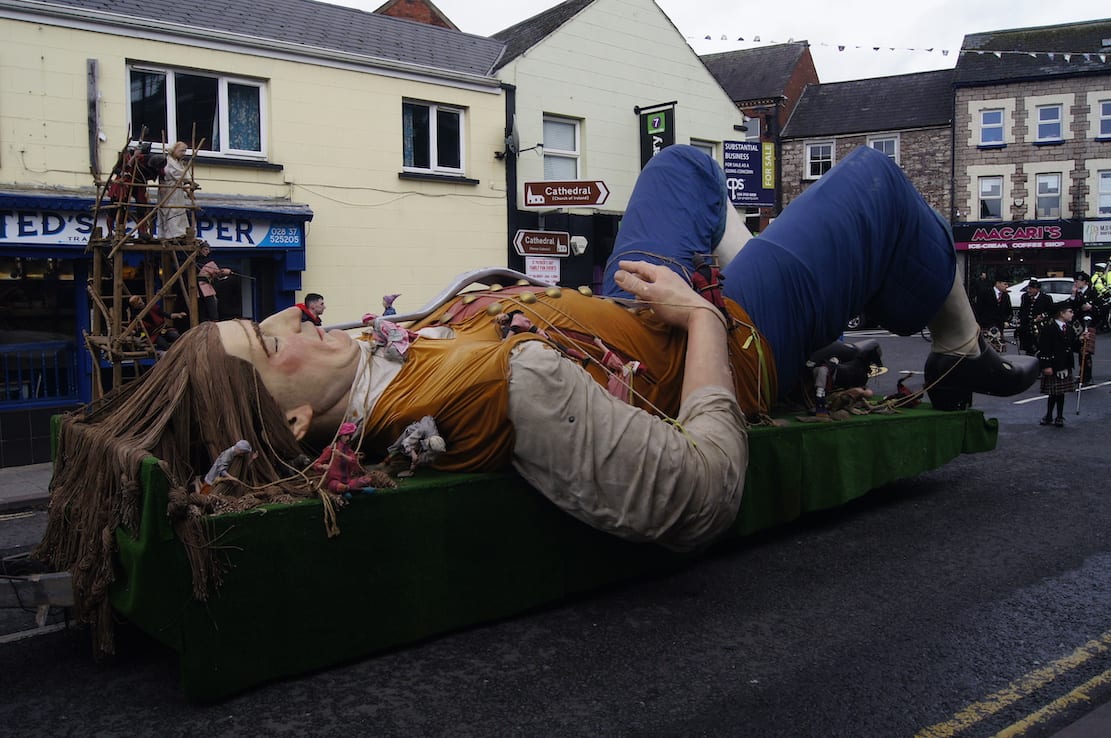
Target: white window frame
x=1047 y=195
x=817 y=158
x=1049 y=122
x=887 y=145
x=987 y=126
x=1103 y=125
x=998 y=197
x=1103 y=196
x=754 y=126
x=223 y=123
x=433 y=133
x=707 y=147
x=563 y=154
x=1047 y=117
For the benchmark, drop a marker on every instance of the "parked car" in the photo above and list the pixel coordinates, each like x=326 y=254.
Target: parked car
x=1058 y=288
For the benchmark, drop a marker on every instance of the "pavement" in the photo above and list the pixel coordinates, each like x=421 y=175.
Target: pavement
x=27 y=488
x=24 y=487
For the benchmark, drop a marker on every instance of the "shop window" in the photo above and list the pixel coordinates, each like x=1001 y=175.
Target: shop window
x=1048 y=203
x=819 y=159
x=991 y=127
x=561 y=148
x=38 y=356
x=219 y=114
x=432 y=138
x=991 y=198
x=1049 y=123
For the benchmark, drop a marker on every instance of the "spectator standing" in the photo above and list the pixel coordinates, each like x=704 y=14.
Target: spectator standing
x=312 y=308
x=993 y=307
x=1057 y=342
x=1034 y=308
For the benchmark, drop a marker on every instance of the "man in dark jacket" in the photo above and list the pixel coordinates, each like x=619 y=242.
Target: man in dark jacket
x=993 y=306
x=1034 y=308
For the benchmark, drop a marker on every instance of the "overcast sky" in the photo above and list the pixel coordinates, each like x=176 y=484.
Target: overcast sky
x=858 y=25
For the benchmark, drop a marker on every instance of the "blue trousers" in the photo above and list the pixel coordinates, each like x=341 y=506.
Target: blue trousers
x=861 y=238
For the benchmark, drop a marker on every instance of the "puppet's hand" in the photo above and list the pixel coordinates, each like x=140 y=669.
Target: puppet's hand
x=671 y=298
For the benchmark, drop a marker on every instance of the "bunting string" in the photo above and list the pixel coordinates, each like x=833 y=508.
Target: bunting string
x=1087 y=56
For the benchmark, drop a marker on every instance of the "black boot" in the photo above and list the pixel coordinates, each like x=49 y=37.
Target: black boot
x=951 y=380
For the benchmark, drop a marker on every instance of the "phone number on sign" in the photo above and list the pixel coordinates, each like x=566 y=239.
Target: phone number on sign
x=284 y=235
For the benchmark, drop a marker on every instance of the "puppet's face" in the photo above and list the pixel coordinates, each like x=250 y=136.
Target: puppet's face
x=301 y=365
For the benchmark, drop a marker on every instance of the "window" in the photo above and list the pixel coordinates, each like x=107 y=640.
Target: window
x=217 y=113
x=991 y=198
x=753 y=125
x=1104 y=209
x=819 y=159
x=887 y=145
x=1048 y=203
x=561 y=148
x=705 y=147
x=432 y=137
x=991 y=127
x=1104 y=119
x=1049 y=123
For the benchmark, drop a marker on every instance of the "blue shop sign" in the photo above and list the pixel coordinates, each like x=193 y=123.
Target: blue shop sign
x=54 y=221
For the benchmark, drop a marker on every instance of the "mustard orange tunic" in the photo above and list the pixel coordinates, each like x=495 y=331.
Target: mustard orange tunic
x=462 y=381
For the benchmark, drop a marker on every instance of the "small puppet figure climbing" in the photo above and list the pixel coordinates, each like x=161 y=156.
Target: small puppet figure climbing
x=419 y=444
x=342 y=465
x=219 y=469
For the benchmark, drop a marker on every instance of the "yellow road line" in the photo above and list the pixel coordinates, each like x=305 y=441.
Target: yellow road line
x=1083 y=693
x=1016 y=690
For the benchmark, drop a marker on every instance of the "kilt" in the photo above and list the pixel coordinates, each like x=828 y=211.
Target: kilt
x=1054 y=385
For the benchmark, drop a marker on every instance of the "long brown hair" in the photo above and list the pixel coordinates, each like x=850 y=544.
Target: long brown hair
x=192 y=404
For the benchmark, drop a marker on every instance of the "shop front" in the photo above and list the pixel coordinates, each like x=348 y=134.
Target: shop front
x=45 y=305
x=1018 y=250
x=1097 y=245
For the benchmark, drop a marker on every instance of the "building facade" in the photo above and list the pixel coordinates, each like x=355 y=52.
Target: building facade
x=908 y=117
x=353 y=164
x=598 y=86
x=1032 y=150
x=765 y=84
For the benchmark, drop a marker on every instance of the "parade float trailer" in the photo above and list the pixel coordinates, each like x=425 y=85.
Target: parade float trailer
x=446 y=551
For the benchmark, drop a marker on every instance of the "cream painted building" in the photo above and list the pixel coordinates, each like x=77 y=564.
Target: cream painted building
x=587 y=77
x=343 y=153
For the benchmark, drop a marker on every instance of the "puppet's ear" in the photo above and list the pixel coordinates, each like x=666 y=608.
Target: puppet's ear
x=299 y=420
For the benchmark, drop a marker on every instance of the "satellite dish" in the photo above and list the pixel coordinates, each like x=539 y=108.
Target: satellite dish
x=513 y=140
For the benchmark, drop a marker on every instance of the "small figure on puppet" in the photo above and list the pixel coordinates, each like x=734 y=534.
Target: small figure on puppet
x=418 y=445
x=387 y=304
x=135 y=167
x=219 y=469
x=840 y=374
x=342 y=466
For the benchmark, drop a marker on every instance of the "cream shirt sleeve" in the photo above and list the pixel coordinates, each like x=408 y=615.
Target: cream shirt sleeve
x=619 y=468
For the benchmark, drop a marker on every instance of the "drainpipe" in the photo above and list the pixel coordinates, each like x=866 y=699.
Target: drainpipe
x=510 y=159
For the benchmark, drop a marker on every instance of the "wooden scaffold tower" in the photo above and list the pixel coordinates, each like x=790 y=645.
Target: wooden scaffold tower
x=123 y=215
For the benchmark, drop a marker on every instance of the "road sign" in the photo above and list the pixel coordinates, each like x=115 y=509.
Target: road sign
x=542 y=243
x=565 y=194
